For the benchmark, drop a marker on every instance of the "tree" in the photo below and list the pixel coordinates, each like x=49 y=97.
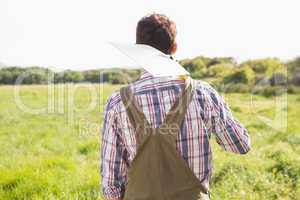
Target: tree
x=196 y=67
x=278 y=79
x=242 y=75
x=6 y=77
x=220 y=70
x=267 y=66
x=294 y=65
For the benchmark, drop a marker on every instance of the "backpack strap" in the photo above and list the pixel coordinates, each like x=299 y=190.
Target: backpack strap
x=176 y=114
x=135 y=114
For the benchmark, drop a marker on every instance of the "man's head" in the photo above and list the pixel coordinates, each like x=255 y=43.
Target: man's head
x=158 y=31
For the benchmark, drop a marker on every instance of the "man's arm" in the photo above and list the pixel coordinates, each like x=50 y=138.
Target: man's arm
x=230 y=133
x=113 y=165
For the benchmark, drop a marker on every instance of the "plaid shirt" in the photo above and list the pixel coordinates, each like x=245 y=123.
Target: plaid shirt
x=207 y=114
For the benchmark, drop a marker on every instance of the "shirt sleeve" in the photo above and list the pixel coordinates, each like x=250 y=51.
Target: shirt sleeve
x=231 y=135
x=113 y=156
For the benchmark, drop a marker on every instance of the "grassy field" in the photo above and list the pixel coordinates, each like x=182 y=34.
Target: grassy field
x=53 y=153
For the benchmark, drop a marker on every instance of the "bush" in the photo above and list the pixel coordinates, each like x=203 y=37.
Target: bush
x=220 y=70
x=262 y=80
x=238 y=88
x=196 y=66
x=221 y=60
x=269 y=91
x=242 y=75
x=285 y=166
x=118 y=78
x=38 y=75
x=266 y=66
x=296 y=79
x=200 y=66
x=278 y=79
x=294 y=66
x=6 y=77
x=293 y=89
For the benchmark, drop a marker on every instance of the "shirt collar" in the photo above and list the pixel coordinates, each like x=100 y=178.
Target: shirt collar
x=148 y=79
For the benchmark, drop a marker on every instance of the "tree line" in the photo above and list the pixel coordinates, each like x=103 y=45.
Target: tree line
x=267 y=76
x=39 y=75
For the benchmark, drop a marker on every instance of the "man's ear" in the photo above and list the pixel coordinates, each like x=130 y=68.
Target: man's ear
x=173 y=48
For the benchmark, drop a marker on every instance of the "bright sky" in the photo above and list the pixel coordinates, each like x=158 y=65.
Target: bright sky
x=75 y=34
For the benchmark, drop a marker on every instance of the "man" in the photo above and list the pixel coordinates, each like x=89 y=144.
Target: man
x=206 y=113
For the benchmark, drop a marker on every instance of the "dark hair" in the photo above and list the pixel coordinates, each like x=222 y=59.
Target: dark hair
x=156 y=30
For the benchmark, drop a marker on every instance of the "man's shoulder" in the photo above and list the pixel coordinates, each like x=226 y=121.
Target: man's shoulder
x=113 y=101
x=203 y=87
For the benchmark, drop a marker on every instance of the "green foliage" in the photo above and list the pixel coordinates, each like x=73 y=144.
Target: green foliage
x=221 y=60
x=266 y=66
x=220 y=70
x=284 y=166
x=278 y=79
x=261 y=76
x=120 y=77
x=294 y=65
x=296 y=79
x=244 y=75
x=269 y=91
x=199 y=66
x=37 y=75
x=237 y=88
x=293 y=89
x=72 y=76
x=6 y=77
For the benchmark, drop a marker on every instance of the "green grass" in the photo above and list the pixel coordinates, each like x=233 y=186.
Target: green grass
x=55 y=154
